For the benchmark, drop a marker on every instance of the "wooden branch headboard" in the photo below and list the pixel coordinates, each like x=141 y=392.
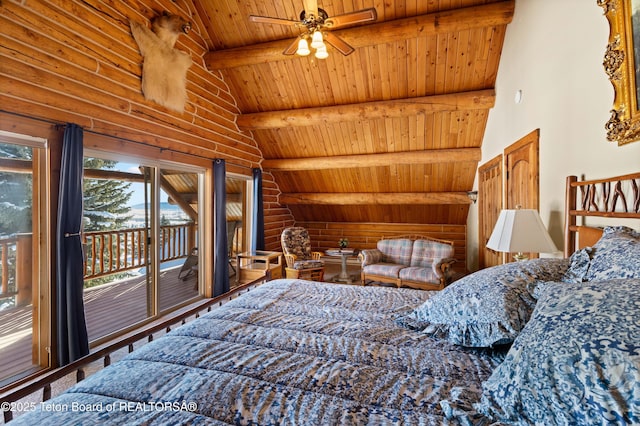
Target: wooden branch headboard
x=616 y=197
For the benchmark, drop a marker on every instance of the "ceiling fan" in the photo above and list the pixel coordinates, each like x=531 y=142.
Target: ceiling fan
x=316 y=24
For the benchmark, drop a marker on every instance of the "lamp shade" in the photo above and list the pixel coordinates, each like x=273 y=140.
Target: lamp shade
x=303 y=48
x=316 y=39
x=520 y=231
x=321 y=52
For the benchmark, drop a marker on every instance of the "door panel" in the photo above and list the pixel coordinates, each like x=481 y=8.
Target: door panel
x=140 y=235
x=24 y=268
x=118 y=288
x=178 y=245
x=523 y=174
x=489 y=206
x=521 y=161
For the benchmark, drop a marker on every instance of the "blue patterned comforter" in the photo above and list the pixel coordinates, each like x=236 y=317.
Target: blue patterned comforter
x=288 y=352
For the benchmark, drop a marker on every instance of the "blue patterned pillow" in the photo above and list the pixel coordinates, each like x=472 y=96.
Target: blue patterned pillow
x=486 y=308
x=578 y=267
x=576 y=362
x=616 y=255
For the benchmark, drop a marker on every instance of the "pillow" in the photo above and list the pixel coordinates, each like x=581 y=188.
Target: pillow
x=616 y=255
x=576 y=362
x=486 y=308
x=578 y=266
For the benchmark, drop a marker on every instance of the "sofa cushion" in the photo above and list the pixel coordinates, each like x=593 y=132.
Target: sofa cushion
x=307 y=264
x=391 y=270
x=370 y=256
x=420 y=274
x=396 y=250
x=295 y=240
x=426 y=252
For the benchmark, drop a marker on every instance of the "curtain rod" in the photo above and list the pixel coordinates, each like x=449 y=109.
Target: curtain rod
x=59 y=126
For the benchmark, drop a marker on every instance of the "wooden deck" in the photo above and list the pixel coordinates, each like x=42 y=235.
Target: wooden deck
x=108 y=308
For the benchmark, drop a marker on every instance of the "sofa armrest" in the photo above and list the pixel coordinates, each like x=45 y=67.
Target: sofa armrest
x=370 y=256
x=443 y=268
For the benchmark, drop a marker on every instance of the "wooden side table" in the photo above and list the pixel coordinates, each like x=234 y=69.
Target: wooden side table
x=343 y=277
x=253 y=265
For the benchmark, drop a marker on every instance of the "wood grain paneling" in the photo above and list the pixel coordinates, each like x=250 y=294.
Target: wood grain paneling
x=82 y=62
x=406 y=88
x=76 y=61
x=490 y=184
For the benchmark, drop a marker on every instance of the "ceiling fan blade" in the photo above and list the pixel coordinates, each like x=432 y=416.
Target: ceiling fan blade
x=365 y=15
x=340 y=45
x=293 y=47
x=269 y=20
x=310 y=7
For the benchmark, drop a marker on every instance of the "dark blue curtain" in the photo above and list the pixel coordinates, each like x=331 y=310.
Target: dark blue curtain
x=221 y=255
x=72 y=340
x=257 y=221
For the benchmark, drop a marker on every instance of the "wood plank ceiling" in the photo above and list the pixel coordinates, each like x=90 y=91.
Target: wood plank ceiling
x=390 y=133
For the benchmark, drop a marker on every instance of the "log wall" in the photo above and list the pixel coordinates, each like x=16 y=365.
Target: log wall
x=76 y=61
x=325 y=235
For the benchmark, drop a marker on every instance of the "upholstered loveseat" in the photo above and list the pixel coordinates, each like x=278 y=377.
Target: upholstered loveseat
x=417 y=262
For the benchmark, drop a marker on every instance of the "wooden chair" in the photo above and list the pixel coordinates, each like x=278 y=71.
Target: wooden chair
x=301 y=262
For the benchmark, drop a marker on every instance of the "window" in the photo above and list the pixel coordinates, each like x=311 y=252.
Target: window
x=24 y=249
x=237 y=220
x=140 y=233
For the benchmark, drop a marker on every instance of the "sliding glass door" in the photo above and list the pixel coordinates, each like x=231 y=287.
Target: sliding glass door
x=237 y=222
x=141 y=226
x=24 y=247
x=178 y=237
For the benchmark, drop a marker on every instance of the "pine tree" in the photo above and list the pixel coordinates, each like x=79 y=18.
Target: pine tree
x=105 y=201
x=105 y=207
x=15 y=193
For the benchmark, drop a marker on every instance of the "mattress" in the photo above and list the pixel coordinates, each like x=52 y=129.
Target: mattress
x=287 y=352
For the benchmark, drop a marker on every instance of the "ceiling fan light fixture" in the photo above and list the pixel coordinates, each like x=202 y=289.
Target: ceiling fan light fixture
x=316 y=40
x=303 y=48
x=321 y=52
x=314 y=20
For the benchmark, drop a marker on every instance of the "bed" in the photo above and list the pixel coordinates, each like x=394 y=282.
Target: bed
x=547 y=341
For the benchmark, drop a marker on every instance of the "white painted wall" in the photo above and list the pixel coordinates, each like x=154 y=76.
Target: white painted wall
x=553 y=52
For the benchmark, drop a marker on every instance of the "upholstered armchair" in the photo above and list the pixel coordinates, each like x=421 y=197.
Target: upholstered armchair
x=301 y=261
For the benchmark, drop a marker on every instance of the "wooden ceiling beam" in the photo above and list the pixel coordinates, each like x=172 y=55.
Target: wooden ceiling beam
x=375 y=198
x=429 y=156
x=177 y=198
x=479 y=99
x=455 y=20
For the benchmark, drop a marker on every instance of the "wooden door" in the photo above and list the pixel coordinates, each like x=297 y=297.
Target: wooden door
x=519 y=185
x=523 y=174
x=489 y=206
x=522 y=170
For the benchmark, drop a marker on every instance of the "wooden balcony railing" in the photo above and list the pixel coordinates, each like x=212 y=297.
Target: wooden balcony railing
x=105 y=252
x=7 y=261
x=15 y=268
x=112 y=252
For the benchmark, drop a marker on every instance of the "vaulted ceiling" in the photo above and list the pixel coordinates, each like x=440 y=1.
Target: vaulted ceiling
x=391 y=132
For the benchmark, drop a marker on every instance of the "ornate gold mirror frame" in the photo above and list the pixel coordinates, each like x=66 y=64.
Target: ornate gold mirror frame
x=619 y=63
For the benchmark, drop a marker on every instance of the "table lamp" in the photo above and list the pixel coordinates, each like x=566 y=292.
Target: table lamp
x=520 y=231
